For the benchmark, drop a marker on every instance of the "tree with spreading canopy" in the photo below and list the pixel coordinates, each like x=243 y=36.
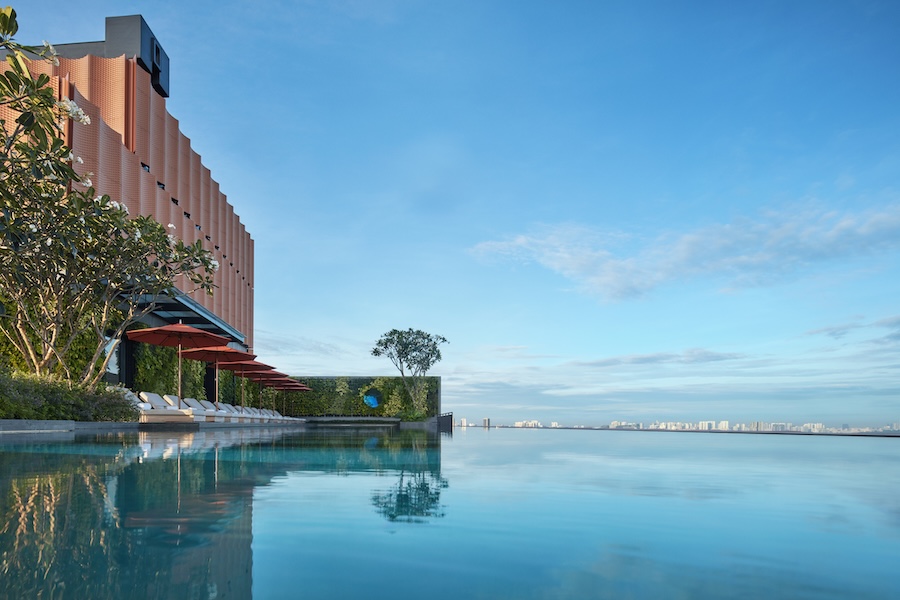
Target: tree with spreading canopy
x=413 y=352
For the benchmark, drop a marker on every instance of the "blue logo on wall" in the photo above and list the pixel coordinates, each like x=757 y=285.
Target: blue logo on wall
x=372 y=398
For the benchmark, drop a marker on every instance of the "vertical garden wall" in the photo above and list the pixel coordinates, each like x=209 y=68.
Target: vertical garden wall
x=347 y=396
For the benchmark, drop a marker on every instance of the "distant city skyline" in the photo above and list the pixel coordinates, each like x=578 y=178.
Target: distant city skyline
x=710 y=425
x=630 y=211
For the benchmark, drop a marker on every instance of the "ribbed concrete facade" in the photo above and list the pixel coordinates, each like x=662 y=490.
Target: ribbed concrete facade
x=138 y=156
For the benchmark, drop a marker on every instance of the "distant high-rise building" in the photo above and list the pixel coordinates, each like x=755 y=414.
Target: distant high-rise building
x=487 y=423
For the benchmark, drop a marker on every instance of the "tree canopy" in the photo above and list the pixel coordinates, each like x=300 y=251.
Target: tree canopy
x=413 y=352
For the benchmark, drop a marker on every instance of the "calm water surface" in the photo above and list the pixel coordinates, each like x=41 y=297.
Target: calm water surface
x=485 y=514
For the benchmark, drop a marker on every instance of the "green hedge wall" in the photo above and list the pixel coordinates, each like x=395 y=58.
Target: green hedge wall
x=156 y=370
x=343 y=396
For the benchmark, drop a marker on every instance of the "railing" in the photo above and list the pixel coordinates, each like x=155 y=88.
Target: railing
x=445 y=423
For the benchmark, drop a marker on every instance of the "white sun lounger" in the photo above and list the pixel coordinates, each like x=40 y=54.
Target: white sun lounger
x=162 y=411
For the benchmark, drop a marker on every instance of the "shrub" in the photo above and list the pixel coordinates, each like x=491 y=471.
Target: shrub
x=31 y=397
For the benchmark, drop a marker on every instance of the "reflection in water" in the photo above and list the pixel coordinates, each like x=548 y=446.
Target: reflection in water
x=529 y=514
x=415 y=497
x=417 y=494
x=156 y=515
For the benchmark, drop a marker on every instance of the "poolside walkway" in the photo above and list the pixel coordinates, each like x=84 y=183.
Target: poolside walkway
x=20 y=426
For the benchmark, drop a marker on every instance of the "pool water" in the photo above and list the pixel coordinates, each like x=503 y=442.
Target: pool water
x=503 y=513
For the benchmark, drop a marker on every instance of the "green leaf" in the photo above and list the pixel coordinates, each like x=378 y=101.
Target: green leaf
x=26 y=119
x=23 y=66
x=8 y=25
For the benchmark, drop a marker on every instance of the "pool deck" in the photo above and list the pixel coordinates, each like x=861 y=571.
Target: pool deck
x=22 y=426
x=391 y=422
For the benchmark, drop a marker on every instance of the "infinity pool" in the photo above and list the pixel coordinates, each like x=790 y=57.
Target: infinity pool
x=533 y=514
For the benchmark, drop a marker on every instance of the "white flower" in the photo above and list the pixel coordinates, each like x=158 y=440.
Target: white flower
x=79 y=160
x=214 y=264
x=50 y=52
x=171 y=226
x=48 y=242
x=86 y=182
x=73 y=111
x=33 y=228
x=81 y=219
x=172 y=239
x=137 y=234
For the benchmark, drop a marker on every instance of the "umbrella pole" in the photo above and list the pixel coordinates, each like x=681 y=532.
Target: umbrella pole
x=217 y=387
x=179 y=375
x=217 y=384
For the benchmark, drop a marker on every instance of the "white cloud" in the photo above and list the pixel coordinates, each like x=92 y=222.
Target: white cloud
x=268 y=342
x=746 y=252
x=836 y=331
x=689 y=356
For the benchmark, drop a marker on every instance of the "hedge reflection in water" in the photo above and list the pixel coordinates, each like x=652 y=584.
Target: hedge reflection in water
x=170 y=515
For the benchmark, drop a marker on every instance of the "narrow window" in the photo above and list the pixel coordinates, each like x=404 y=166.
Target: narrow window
x=160 y=185
x=175 y=201
x=145 y=167
x=187 y=215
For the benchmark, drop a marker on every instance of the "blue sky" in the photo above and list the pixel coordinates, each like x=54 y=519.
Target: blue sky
x=613 y=210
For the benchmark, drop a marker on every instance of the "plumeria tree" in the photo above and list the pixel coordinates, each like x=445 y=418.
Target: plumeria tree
x=413 y=352
x=73 y=264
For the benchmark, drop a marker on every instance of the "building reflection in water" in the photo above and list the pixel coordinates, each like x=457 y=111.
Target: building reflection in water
x=165 y=515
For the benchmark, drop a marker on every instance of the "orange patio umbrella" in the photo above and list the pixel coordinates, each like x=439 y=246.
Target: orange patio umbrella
x=217 y=355
x=243 y=368
x=290 y=385
x=268 y=378
x=177 y=334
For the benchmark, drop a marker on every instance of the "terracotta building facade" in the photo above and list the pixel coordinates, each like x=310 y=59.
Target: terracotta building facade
x=137 y=155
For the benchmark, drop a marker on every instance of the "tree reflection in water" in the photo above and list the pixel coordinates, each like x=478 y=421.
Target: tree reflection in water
x=416 y=497
x=171 y=515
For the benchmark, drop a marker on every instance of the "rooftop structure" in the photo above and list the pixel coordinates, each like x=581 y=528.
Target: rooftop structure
x=137 y=155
